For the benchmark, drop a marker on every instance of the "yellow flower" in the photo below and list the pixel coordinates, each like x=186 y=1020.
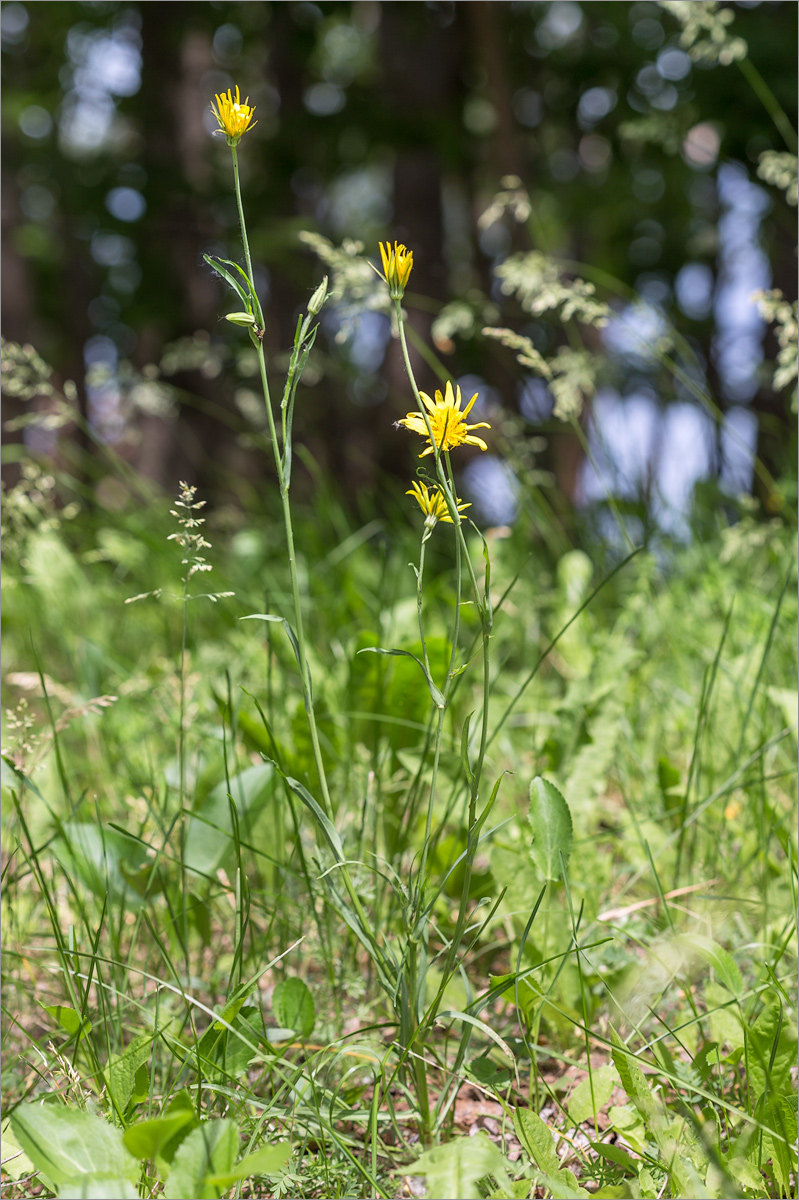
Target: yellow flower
x=432 y=502
x=234 y=117
x=447 y=422
x=397 y=264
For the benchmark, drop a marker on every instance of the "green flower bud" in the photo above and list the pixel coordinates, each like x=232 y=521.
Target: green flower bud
x=318 y=298
x=242 y=318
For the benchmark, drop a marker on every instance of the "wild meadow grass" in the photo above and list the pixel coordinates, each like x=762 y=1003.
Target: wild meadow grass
x=329 y=876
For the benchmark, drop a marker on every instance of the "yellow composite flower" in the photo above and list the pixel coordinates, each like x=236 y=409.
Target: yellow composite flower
x=432 y=502
x=447 y=421
x=234 y=116
x=397 y=266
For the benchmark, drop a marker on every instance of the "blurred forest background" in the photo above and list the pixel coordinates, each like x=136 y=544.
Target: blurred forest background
x=400 y=120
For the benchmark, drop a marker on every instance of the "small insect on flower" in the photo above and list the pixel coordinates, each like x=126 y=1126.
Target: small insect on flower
x=234 y=116
x=447 y=422
x=397 y=266
x=432 y=502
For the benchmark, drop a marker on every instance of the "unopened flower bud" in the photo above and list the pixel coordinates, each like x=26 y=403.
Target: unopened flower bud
x=241 y=318
x=318 y=298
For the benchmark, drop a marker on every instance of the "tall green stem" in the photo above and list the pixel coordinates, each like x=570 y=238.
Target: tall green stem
x=279 y=452
x=244 y=238
x=483 y=605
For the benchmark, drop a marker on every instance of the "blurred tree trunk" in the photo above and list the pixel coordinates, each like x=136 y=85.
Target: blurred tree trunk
x=175 y=158
x=421 y=64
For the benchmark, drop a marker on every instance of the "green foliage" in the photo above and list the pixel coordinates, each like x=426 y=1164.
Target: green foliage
x=209 y=803
x=293 y=1006
x=551 y=824
x=456 y=1168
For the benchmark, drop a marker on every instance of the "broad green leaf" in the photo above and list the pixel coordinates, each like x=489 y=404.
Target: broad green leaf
x=208 y=1150
x=564 y=1186
x=146 y=1139
x=68 y=1019
x=632 y=1077
x=724 y=1018
x=779 y=1113
x=209 y=834
x=227 y=1052
x=616 y=1155
x=99 y=1187
x=552 y=828
x=747 y=1174
x=772 y=1050
x=181 y=1103
x=15 y=1161
x=122 y=1070
x=103 y=858
x=536 y=1138
x=70 y=1144
x=266 y=1161
x=453 y=1170
x=580 y=1105
x=293 y=1006
x=722 y=962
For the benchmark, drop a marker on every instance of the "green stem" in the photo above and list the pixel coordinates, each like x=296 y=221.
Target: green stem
x=245 y=241
x=483 y=605
x=769 y=101
x=279 y=451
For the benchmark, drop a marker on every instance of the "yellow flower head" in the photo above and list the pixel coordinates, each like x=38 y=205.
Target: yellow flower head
x=397 y=264
x=432 y=502
x=447 y=422
x=234 y=116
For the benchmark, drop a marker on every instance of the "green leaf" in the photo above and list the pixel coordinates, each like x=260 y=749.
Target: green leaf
x=209 y=1150
x=455 y=1168
x=632 y=1077
x=293 y=1006
x=103 y=858
x=564 y=1186
x=580 y=1106
x=122 y=1070
x=615 y=1154
x=227 y=1052
x=435 y=694
x=68 y=1019
x=209 y=833
x=102 y=1187
x=266 y=1161
x=536 y=1138
x=146 y=1139
x=722 y=962
x=216 y=265
x=551 y=822
x=15 y=1161
x=325 y=824
x=70 y=1144
x=290 y=634
x=772 y=1050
